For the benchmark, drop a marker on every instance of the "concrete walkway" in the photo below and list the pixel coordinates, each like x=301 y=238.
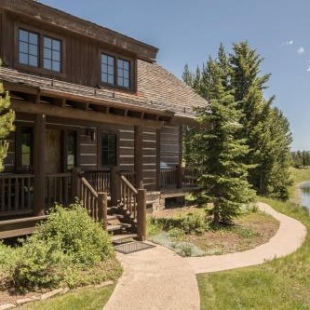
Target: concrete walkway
x=155 y=279
x=288 y=239
x=159 y=279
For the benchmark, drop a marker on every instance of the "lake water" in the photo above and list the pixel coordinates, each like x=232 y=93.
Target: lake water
x=305 y=194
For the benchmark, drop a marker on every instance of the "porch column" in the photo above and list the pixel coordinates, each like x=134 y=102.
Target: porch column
x=158 y=159
x=39 y=164
x=138 y=156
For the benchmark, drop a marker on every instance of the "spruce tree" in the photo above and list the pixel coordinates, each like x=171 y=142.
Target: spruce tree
x=7 y=118
x=219 y=151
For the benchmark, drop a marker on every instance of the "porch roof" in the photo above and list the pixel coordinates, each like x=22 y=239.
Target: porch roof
x=159 y=91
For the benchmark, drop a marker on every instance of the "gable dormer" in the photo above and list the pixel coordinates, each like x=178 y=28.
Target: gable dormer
x=47 y=42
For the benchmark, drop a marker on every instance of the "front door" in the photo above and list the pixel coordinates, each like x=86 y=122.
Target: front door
x=53 y=151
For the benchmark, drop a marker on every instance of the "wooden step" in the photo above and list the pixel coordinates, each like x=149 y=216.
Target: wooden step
x=120 y=226
x=123 y=238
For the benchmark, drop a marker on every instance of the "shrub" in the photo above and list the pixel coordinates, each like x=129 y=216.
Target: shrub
x=62 y=250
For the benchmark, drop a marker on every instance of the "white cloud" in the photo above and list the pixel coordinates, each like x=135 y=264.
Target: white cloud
x=308 y=70
x=301 y=50
x=290 y=42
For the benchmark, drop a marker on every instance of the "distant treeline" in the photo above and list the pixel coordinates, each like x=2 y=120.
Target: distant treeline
x=301 y=159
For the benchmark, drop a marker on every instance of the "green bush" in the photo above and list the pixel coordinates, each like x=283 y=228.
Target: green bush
x=62 y=251
x=189 y=223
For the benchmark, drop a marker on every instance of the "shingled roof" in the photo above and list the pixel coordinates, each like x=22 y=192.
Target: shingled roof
x=162 y=87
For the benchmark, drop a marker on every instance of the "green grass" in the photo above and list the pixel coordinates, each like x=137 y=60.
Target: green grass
x=280 y=284
x=82 y=299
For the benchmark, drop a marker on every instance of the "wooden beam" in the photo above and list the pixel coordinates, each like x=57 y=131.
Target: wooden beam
x=138 y=156
x=91 y=116
x=39 y=164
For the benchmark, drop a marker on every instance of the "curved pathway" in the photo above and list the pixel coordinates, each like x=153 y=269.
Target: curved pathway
x=159 y=279
x=288 y=239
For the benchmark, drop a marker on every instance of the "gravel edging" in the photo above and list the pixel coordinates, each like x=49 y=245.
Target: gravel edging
x=50 y=294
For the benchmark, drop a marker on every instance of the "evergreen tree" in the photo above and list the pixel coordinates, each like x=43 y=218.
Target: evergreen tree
x=7 y=118
x=219 y=151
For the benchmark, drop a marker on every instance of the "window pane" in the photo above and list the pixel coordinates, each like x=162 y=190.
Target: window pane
x=71 y=147
x=33 y=50
x=26 y=147
x=23 y=47
x=47 y=42
x=33 y=38
x=111 y=79
x=56 y=56
x=108 y=149
x=33 y=61
x=23 y=58
x=123 y=72
x=56 y=66
x=47 y=64
x=23 y=35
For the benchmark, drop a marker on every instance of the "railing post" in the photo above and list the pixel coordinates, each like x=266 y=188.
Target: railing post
x=75 y=192
x=115 y=186
x=103 y=209
x=179 y=176
x=141 y=214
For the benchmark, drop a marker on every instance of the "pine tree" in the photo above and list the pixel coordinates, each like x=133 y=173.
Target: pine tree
x=219 y=151
x=7 y=118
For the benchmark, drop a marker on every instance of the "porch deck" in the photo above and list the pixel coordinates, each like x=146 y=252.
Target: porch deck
x=19 y=212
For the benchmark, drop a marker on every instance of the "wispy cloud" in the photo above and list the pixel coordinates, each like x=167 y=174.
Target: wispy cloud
x=308 y=70
x=301 y=50
x=290 y=42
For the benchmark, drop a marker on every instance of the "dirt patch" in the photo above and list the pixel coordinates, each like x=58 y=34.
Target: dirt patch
x=248 y=232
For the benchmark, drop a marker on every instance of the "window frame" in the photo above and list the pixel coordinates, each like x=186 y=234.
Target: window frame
x=116 y=59
x=41 y=35
x=100 y=146
x=18 y=149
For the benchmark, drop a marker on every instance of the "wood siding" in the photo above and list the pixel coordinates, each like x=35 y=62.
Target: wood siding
x=80 y=58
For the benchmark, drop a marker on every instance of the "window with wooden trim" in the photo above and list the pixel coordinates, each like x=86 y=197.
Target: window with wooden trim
x=52 y=54
x=40 y=51
x=108 y=149
x=71 y=150
x=28 y=48
x=24 y=149
x=115 y=71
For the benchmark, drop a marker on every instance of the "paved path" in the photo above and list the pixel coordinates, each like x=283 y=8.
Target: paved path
x=157 y=279
x=288 y=238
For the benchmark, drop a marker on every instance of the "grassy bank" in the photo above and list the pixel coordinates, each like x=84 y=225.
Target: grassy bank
x=281 y=284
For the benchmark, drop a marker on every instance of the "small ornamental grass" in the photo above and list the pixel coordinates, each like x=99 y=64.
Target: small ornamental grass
x=69 y=249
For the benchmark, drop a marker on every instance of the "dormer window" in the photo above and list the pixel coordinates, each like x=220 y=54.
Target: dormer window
x=115 y=71
x=40 y=51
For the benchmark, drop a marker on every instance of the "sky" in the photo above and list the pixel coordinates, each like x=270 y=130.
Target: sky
x=189 y=31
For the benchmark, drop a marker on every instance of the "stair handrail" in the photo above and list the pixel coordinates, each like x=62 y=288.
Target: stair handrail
x=134 y=201
x=96 y=203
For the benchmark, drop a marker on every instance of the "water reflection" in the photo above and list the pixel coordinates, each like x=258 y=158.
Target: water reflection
x=305 y=194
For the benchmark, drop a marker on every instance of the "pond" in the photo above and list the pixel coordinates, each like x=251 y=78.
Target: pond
x=305 y=194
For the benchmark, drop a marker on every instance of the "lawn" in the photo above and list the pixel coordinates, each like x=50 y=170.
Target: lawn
x=280 y=284
x=82 y=299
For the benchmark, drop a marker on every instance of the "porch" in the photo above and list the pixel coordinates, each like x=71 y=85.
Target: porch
x=109 y=196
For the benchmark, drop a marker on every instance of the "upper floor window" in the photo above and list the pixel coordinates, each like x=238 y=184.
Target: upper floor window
x=52 y=54
x=28 y=48
x=39 y=51
x=115 y=71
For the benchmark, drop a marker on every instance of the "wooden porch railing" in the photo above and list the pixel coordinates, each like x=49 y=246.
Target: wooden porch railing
x=178 y=177
x=95 y=203
x=100 y=180
x=16 y=193
x=133 y=201
x=58 y=189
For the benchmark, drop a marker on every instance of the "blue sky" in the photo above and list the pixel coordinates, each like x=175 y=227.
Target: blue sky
x=190 y=31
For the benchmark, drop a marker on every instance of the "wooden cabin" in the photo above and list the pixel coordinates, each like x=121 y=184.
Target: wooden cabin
x=96 y=118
